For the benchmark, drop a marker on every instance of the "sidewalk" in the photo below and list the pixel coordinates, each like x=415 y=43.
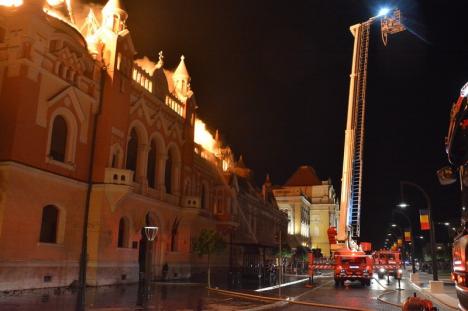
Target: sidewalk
x=447 y=297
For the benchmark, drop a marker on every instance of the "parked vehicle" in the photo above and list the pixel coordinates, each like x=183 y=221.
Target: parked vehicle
x=353 y=266
x=456 y=144
x=387 y=262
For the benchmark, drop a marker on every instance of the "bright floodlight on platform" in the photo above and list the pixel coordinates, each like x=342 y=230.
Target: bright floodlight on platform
x=447 y=224
x=383 y=11
x=394 y=225
x=403 y=205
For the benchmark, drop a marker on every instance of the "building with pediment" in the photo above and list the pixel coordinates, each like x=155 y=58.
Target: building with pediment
x=89 y=134
x=311 y=206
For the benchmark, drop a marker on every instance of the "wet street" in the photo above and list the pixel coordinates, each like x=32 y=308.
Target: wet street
x=189 y=296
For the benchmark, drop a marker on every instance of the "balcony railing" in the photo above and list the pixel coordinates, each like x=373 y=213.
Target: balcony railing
x=175 y=105
x=118 y=176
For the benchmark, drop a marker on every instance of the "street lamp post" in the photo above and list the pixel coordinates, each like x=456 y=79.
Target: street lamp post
x=150 y=233
x=413 y=265
x=402 y=235
x=435 y=275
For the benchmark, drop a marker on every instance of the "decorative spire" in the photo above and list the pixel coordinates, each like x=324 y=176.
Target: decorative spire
x=267 y=179
x=112 y=9
x=181 y=70
x=217 y=135
x=160 y=62
x=241 y=163
x=90 y=26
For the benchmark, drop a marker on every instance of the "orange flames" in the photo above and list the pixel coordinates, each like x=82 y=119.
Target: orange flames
x=54 y=2
x=11 y=3
x=203 y=137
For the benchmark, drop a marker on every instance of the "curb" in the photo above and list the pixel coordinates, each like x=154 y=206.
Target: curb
x=428 y=294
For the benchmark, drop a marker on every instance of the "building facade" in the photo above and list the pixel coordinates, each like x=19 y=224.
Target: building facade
x=255 y=243
x=311 y=206
x=86 y=127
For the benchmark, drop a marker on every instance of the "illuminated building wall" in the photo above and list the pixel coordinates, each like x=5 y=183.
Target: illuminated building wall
x=58 y=82
x=311 y=206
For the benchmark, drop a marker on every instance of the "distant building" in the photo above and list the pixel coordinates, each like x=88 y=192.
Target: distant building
x=311 y=206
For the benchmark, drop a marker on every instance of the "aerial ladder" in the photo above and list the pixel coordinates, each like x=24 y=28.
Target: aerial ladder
x=349 y=262
x=348 y=230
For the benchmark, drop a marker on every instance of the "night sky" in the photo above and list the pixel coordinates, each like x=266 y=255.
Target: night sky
x=273 y=77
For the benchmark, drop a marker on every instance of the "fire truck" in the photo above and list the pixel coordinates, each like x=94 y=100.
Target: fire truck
x=387 y=262
x=457 y=151
x=349 y=261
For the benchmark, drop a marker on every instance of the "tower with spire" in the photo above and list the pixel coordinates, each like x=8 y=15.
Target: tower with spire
x=181 y=80
x=114 y=16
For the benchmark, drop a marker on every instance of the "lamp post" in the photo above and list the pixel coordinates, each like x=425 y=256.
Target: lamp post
x=401 y=233
x=150 y=233
x=404 y=205
x=435 y=275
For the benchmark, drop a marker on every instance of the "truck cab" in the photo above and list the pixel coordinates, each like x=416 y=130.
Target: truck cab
x=459 y=270
x=387 y=262
x=353 y=266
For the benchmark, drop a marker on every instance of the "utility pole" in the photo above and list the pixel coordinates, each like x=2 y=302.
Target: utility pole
x=280 y=273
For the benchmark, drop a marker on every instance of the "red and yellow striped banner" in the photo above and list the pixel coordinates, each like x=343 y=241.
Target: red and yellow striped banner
x=424 y=219
x=408 y=236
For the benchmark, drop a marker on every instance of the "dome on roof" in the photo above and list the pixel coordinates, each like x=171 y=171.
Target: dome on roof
x=304 y=176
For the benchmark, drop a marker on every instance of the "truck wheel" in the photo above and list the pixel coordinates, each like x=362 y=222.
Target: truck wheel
x=368 y=282
x=337 y=282
x=363 y=282
x=342 y=282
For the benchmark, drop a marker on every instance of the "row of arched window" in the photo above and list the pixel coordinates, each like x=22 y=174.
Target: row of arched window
x=50 y=227
x=58 y=149
x=152 y=167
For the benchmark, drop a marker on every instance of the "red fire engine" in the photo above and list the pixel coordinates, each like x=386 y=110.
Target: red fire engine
x=457 y=151
x=349 y=261
x=387 y=262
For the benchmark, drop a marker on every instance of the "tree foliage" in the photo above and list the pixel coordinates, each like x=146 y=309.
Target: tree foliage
x=208 y=242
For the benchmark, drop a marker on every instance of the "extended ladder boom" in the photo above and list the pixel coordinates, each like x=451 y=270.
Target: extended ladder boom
x=351 y=181
x=354 y=136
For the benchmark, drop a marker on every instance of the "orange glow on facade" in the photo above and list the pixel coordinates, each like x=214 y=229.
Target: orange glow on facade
x=203 y=137
x=12 y=3
x=54 y=2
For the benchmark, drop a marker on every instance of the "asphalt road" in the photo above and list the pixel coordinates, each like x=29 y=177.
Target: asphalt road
x=172 y=297
x=380 y=295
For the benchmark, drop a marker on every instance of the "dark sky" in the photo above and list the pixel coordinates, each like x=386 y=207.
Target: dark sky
x=273 y=77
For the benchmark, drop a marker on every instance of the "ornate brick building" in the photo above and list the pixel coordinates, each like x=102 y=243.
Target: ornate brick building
x=84 y=126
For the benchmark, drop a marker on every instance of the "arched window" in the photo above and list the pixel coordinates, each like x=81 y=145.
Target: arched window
x=115 y=159
x=151 y=168
x=168 y=172
x=122 y=240
x=187 y=187
x=58 y=142
x=204 y=197
x=132 y=152
x=49 y=224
